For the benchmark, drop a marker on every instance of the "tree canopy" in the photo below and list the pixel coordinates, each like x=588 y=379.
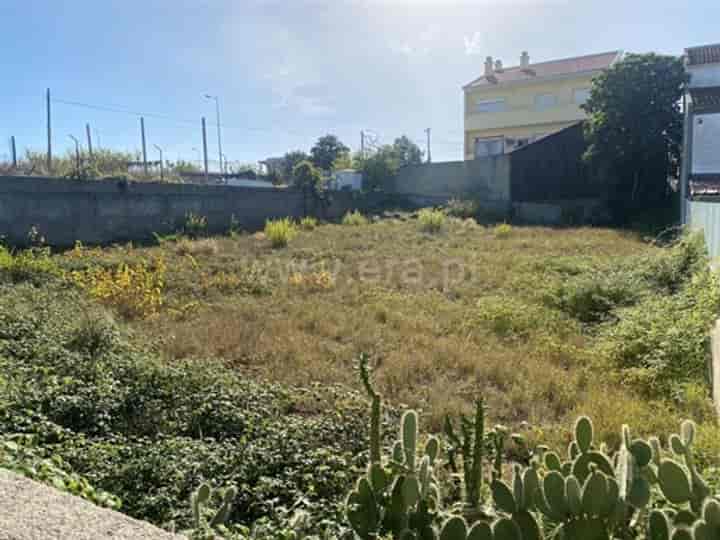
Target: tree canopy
x=634 y=132
x=306 y=176
x=327 y=150
x=407 y=152
x=291 y=159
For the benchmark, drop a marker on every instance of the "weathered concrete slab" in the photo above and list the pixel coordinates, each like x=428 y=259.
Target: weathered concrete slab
x=715 y=365
x=33 y=511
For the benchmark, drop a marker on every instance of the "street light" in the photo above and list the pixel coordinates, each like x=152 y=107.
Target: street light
x=77 y=154
x=162 y=171
x=217 y=114
x=224 y=167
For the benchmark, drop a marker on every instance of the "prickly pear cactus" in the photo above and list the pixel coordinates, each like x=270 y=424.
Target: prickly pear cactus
x=398 y=495
x=519 y=501
x=682 y=483
x=593 y=494
x=198 y=502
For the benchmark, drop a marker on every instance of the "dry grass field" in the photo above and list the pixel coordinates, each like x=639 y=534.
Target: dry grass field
x=444 y=317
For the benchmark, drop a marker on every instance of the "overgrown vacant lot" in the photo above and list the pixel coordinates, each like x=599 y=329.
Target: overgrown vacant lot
x=522 y=316
x=140 y=372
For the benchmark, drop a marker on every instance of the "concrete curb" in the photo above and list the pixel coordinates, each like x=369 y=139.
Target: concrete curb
x=33 y=511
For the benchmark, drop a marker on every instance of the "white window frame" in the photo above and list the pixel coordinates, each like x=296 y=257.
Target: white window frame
x=585 y=92
x=541 y=105
x=489 y=105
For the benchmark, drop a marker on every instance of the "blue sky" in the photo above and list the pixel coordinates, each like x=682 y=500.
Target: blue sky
x=290 y=71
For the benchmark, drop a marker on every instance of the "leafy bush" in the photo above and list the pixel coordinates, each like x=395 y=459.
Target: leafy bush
x=354 y=218
x=502 y=230
x=280 y=232
x=308 y=223
x=661 y=342
x=462 y=208
x=593 y=296
x=151 y=433
x=431 y=220
x=21 y=457
x=33 y=264
x=134 y=291
x=195 y=225
x=510 y=318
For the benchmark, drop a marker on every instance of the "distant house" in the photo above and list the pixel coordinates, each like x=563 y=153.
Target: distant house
x=509 y=107
x=702 y=120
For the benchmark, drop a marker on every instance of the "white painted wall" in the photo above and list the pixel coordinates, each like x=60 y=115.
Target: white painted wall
x=705 y=157
x=704 y=75
x=348 y=180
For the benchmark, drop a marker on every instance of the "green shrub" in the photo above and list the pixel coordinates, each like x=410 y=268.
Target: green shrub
x=593 y=296
x=195 y=225
x=25 y=459
x=462 y=208
x=308 y=223
x=431 y=220
x=511 y=318
x=668 y=271
x=502 y=230
x=33 y=264
x=354 y=218
x=280 y=232
x=661 y=342
x=150 y=433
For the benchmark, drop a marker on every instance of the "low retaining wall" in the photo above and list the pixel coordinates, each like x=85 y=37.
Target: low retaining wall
x=102 y=212
x=562 y=212
x=486 y=180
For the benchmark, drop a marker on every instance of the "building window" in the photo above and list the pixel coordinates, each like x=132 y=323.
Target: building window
x=490 y=105
x=485 y=147
x=581 y=95
x=545 y=101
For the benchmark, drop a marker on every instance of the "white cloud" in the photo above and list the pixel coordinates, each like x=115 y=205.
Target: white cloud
x=473 y=44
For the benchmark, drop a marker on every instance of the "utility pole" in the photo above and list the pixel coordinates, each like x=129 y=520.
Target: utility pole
x=14 y=151
x=162 y=169
x=205 y=157
x=89 y=140
x=362 y=145
x=77 y=155
x=49 y=132
x=685 y=160
x=429 y=158
x=144 y=148
x=217 y=116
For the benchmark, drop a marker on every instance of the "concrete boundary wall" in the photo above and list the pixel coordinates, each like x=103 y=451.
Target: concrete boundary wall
x=485 y=180
x=102 y=212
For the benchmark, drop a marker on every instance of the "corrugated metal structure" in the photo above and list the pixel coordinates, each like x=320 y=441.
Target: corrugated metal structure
x=705 y=216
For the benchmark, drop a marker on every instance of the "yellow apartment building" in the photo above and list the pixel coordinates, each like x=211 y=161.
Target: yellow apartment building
x=508 y=107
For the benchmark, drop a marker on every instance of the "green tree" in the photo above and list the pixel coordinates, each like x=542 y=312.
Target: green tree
x=290 y=160
x=307 y=176
x=380 y=167
x=327 y=149
x=634 y=131
x=408 y=153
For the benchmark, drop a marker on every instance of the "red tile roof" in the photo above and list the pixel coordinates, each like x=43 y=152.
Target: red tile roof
x=552 y=68
x=705 y=54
